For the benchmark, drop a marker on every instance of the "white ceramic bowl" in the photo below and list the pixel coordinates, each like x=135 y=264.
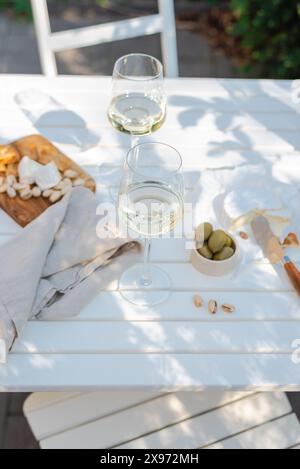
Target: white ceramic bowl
x=216 y=268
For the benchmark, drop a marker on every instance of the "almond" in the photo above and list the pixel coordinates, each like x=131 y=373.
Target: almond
x=11 y=192
x=11 y=180
x=36 y=192
x=26 y=194
x=69 y=173
x=46 y=194
x=55 y=196
x=20 y=187
x=78 y=182
x=3 y=188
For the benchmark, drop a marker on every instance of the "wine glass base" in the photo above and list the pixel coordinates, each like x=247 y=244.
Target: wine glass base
x=133 y=290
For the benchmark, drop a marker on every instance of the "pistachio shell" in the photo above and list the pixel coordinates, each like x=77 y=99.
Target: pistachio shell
x=291 y=240
x=203 y=232
x=198 y=301
x=224 y=254
x=212 y=306
x=217 y=241
x=227 y=308
x=243 y=235
x=205 y=251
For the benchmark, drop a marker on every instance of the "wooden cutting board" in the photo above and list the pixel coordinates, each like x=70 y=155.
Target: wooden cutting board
x=41 y=150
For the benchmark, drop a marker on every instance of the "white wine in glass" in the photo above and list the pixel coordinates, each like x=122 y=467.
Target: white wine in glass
x=151 y=208
x=150 y=202
x=138 y=104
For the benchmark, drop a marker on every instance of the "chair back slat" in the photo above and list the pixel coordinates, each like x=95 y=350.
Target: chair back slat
x=49 y=43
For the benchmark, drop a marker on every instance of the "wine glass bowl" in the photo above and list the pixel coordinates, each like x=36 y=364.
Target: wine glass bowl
x=150 y=197
x=138 y=104
x=150 y=203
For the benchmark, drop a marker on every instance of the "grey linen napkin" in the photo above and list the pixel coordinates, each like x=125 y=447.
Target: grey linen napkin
x=56 y=265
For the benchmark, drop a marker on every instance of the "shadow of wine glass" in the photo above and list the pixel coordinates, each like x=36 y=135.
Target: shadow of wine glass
x=53 y=120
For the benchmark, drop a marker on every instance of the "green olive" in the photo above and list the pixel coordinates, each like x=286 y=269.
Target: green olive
x=229 y=242
x=226 y=253
x=203 y=232
x=205 y=252
x=217 y=241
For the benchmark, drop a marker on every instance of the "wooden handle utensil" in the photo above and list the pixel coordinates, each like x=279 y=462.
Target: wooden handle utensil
x=273 y=250
x=293 y=273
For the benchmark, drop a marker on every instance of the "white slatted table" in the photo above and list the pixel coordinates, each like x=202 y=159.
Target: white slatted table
x=113 y=345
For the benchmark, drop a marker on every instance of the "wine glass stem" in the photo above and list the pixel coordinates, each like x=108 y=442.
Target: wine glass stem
x=146 y=279
x=134 y=141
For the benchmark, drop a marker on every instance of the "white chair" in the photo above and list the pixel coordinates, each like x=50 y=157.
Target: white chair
x=139 y=420
x=49 y=43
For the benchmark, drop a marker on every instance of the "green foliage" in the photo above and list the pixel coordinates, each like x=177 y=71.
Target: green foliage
x=270 y=31
x=21 y=8
x=102 y=3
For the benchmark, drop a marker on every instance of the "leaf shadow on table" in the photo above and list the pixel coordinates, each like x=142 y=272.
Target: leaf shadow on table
x=243 y=101
x=53 y=120
x=244 y=111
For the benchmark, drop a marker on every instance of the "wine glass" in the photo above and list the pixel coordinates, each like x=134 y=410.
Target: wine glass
x=150 y=203
x=138 y=104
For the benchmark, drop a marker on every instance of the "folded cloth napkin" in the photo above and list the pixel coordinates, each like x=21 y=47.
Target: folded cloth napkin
x=56 y=265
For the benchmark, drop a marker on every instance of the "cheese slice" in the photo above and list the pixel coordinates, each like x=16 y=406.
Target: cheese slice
x=44 y=176
x=47 y=176
x=27 y=170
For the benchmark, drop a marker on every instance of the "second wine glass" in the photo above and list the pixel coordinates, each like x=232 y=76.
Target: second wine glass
x=150 y=203
x=138 y=104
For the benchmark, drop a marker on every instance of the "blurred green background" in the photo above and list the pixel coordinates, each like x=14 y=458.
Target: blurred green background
x=268 y=31
x=262 y=37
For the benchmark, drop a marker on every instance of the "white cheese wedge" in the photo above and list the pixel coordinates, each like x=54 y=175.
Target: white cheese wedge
x=47 y=176
x=27 y=170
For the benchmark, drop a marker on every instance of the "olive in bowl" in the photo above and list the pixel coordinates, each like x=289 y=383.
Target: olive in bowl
x=217 y=252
